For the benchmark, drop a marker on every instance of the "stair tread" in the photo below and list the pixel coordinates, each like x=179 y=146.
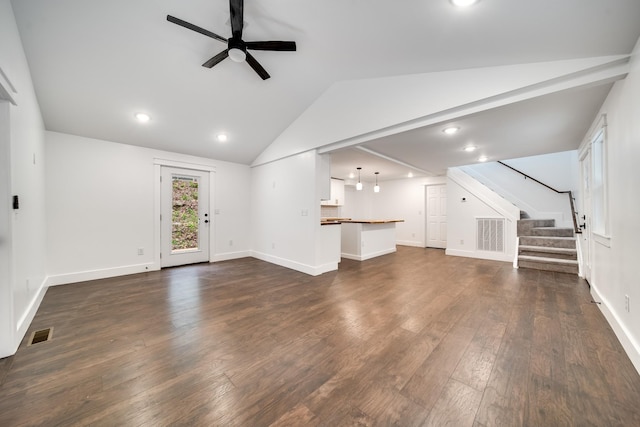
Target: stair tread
x=550 y=237
x=548 y=260
x=552 y=228
x=547 y=249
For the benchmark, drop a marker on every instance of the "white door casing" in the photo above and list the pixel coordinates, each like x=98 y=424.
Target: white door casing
x=584 y=218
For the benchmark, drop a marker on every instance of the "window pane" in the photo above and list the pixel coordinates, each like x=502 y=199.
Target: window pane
x=598 y=186
x=184 y=230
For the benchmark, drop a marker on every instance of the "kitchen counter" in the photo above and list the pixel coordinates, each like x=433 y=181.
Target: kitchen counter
x=364 y=239
x=372 y=221
x=333 y=220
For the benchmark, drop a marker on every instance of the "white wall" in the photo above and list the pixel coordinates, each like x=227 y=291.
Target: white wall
x=285 y=200
x=615 y=268
x=22 y=285
x=557 y=170
x=101 y=207
x=461 y=222
x=397 y=199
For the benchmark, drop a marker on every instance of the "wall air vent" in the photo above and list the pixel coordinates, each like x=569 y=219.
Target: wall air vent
x=490 y=234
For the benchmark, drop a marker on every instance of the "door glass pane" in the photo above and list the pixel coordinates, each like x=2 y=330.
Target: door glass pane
x=184 y=230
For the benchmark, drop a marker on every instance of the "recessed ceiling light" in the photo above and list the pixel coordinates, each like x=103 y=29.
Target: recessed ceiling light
x=451 y=130
x=410 y=174
x=463 y=3
x=222 y=137
x=352 y=175
x=142 y=117
x=470 y=148
x=483 y=158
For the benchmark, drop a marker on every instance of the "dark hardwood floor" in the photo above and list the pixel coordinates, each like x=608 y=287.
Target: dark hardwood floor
x=409 y=339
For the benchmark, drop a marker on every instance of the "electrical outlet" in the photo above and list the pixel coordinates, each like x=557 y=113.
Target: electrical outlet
x=626 y=303
x=140 y=251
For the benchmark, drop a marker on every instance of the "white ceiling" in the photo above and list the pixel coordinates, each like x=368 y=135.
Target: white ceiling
x=94 y=64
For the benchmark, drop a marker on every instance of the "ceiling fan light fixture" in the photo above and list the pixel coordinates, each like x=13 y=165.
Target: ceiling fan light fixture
x=237 y=55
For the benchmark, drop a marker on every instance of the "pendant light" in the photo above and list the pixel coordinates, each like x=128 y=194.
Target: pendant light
x=359 y=184
x=376 y=189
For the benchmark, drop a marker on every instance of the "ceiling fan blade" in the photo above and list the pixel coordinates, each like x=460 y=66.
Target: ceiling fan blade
x=272 y=45
x=195 y=28
x=218 y=58
x=257 y=67
x=236 y=8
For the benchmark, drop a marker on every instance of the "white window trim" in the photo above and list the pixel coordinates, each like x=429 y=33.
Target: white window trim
x=601 y=131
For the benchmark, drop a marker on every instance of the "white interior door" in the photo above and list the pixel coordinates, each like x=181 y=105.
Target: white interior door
x=184 y=219
x=584 y=218
x=436 y=216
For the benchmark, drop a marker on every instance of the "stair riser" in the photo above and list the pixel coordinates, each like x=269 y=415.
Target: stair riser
x=551 y=232
x=548 y=243
x=524 y=227
x=571 y=269
x=572 y=256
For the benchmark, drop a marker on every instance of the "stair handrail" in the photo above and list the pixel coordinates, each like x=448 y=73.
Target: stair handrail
x=576 y=229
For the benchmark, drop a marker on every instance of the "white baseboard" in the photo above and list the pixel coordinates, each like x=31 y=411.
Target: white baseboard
x=630 y=345
x=414 y=243
x=492 y=256
x=367 y=256
x=27 y=317
x=226 y=256
x=294 y=265
x=83 y=276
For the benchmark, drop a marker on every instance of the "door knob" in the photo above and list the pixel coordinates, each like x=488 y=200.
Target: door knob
x=206 y=221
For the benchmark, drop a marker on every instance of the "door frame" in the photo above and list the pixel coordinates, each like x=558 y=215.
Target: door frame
x=586 y=245
x=158 y=163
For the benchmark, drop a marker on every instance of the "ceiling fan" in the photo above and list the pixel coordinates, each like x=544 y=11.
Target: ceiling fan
x=236 y=47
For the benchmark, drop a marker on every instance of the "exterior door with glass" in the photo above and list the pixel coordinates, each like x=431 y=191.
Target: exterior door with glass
x=184 y=219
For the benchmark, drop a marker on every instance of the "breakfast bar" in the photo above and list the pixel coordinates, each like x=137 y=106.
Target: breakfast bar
x=365 y=239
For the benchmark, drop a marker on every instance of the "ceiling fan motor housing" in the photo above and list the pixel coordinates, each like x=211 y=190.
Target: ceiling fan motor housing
x=237 y=50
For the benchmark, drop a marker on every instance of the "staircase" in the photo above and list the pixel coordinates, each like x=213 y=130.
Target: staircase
x=543 y=246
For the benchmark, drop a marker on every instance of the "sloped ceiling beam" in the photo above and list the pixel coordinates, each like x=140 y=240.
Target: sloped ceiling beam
x=353 y=112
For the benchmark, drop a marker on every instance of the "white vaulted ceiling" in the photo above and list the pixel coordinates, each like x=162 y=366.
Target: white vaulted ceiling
x=95 y=64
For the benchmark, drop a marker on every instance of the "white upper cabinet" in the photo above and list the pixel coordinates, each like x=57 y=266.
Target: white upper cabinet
x=337 y=193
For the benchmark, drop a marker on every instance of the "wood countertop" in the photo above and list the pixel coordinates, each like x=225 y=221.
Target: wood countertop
x=372 y=221
x=330 y=221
